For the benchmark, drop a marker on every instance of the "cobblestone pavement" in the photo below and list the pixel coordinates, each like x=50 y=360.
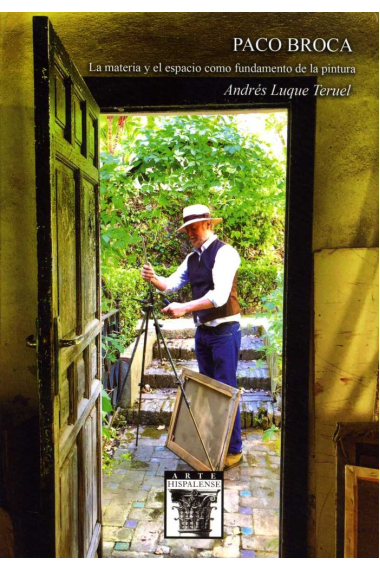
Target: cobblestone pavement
x=133 y=500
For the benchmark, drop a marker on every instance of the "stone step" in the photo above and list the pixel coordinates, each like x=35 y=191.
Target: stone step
x=187 y=329
x=257 y=409
x=252 y=348
x=249 y=374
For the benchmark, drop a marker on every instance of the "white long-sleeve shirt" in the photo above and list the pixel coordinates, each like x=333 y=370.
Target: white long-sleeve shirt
x=227 y=261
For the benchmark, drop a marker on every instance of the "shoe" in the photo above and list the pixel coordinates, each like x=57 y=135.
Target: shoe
x=232 y=460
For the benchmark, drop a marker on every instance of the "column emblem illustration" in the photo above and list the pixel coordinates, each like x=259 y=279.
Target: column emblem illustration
x=194 y=510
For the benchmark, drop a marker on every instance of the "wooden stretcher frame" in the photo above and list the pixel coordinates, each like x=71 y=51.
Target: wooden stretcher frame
x=232 y=396
x=353 y=475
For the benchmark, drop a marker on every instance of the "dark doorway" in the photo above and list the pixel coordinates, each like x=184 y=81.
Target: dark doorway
x=150 y=95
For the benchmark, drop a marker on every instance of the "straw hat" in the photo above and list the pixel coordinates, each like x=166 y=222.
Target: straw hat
x=196 y=213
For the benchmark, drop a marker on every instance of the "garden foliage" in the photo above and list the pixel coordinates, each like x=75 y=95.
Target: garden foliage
x=162 y=164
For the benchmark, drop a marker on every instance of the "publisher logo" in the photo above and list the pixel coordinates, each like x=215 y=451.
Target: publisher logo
x=193 y=504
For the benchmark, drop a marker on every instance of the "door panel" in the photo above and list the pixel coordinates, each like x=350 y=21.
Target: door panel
x=69 y=535
x=90 y=478
x=82 y=377
x=89 y=248
x=69 y=330
x=66 y=249
x=64 y=401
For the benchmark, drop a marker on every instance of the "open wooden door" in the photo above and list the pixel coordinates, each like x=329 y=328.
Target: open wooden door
x=68 y=326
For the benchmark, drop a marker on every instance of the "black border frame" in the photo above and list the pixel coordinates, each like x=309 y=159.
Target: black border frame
x=159 y=95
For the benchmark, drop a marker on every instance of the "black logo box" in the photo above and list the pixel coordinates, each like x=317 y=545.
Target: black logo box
x=195 y=480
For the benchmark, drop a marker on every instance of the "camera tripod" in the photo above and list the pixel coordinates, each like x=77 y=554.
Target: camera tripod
x=149 y=313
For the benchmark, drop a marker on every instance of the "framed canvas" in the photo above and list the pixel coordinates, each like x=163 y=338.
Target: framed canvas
x=213 y=406
x=361 y=537
x=357 y=443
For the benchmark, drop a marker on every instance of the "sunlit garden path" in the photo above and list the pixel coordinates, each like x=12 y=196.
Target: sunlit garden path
x=133 y=502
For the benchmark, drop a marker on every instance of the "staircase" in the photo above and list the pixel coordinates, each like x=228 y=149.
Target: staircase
x=257 y=407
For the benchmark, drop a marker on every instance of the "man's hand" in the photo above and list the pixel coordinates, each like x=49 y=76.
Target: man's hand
x=147 y=272
x=175 y=310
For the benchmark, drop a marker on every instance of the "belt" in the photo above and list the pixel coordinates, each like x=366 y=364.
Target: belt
x=205 y=327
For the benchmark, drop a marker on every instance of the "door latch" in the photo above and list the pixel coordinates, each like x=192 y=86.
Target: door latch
x=71 y=341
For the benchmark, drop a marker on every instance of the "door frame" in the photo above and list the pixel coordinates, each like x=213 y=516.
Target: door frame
x=118 y=95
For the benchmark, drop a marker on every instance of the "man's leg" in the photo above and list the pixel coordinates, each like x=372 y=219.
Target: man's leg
x=225 y=344
x=203 y=353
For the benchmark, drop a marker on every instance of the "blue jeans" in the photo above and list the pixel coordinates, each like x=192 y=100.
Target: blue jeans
x=217 y=351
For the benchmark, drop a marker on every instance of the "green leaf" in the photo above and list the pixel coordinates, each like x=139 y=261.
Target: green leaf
x=106 y=432
x=106 y=402
x=269 y=433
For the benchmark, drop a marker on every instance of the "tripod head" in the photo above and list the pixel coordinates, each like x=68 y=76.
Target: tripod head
x=146 y=301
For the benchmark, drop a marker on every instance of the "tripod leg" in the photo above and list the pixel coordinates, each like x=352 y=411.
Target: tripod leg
x=147 y=315
x=159 y=334
x=180 y=383
x=156 y=326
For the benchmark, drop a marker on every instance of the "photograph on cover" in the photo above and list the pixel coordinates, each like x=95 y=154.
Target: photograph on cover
x=231 y=170
x=197 y=279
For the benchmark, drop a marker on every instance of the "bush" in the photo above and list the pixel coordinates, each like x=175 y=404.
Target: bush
x=255 y=280
x=125 y=282
x=172 y=162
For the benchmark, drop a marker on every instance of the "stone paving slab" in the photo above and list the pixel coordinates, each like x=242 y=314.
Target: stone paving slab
x=133 y=554
x=231 y=500
x=199 y=543
x=229 y=549
x=260 y=543
x=134 y=516
x=115 y=515
x=265 y=522
x=116 y=534
x=260 y=554
x=146 y=537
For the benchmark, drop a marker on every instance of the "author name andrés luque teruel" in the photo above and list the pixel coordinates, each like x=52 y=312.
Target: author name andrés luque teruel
x=318 y=90
x=319 y=45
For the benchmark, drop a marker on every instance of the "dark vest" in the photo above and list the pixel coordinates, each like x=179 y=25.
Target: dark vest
x=200 y=272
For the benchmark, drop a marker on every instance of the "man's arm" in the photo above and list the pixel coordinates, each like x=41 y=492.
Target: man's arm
x=148 y=274
x=169 y=284
x=226 y=264
x=175 y=282
x=223 y=273
x=177 y=310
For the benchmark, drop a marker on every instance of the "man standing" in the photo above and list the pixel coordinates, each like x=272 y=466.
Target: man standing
x=211 y=268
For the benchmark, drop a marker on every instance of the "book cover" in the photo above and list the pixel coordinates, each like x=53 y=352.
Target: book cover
x=303 y=85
